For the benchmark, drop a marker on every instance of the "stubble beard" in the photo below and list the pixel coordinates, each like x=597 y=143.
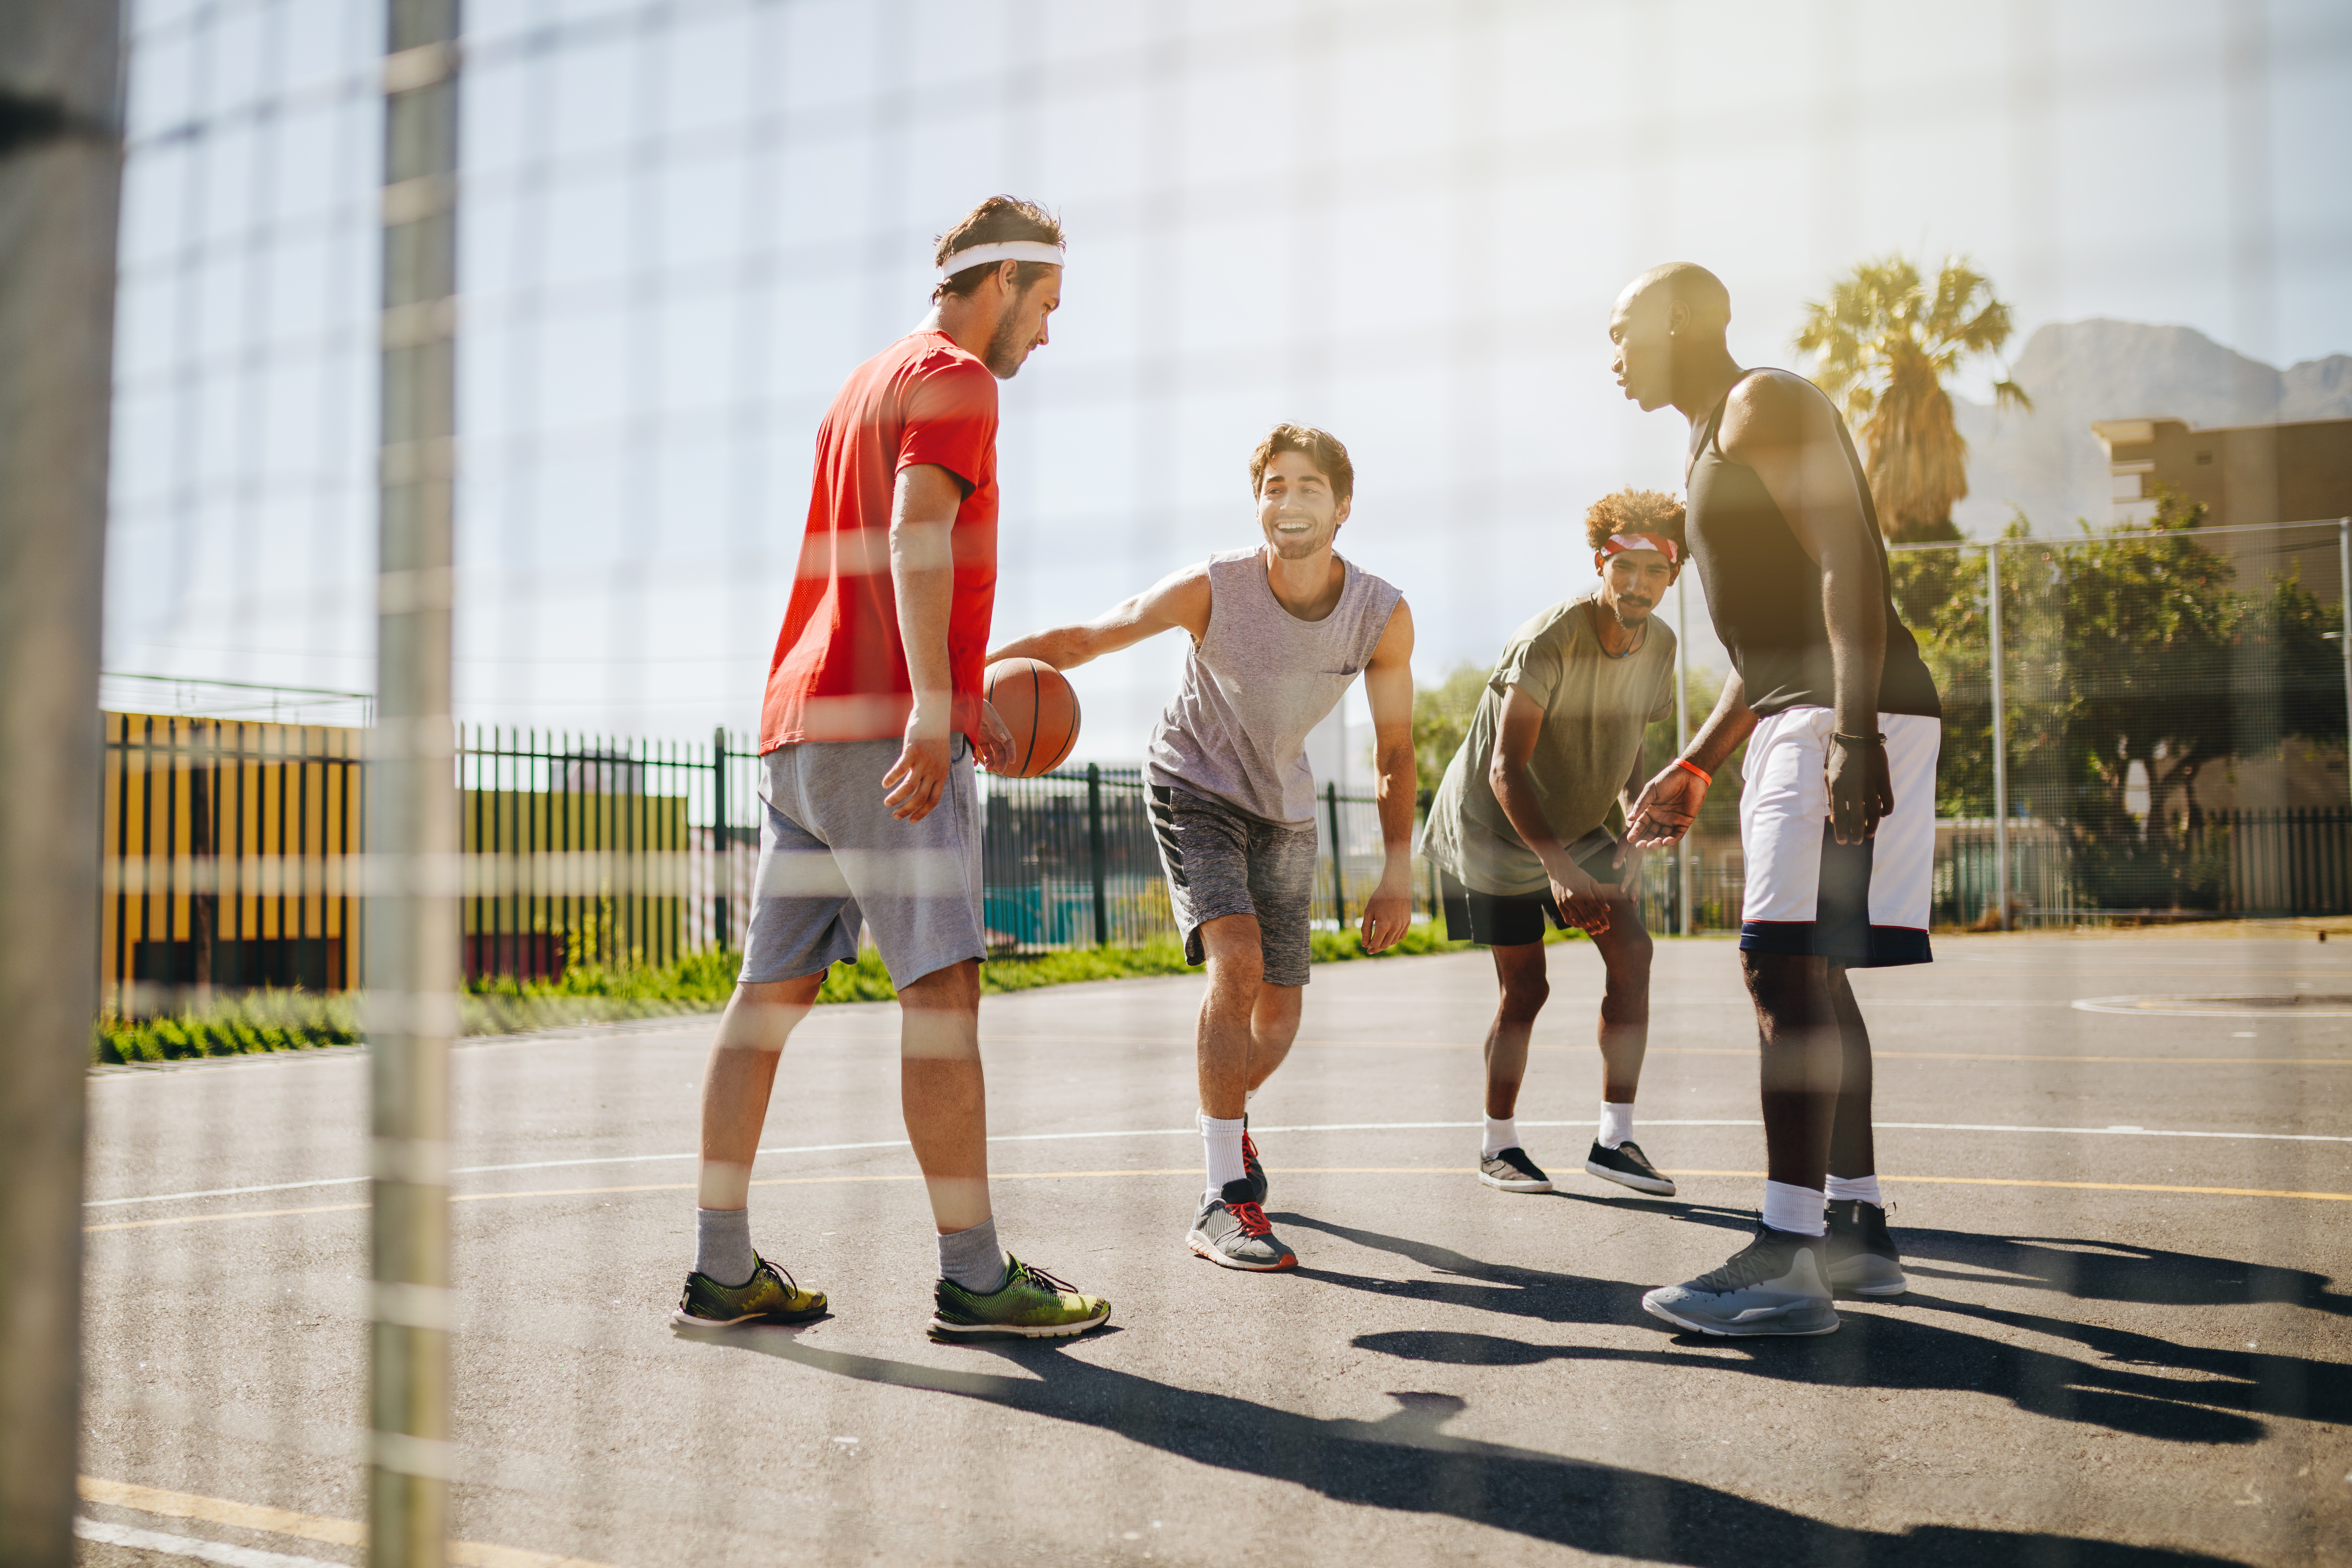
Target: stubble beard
x=1006 y=349
x=1630 y=616
x=1298 y=547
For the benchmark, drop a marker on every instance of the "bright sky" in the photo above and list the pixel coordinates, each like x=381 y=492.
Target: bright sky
x=686 y=222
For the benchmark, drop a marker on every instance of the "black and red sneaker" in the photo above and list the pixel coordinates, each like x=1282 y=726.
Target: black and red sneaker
x=1233 y=1232
x=1250 y=1169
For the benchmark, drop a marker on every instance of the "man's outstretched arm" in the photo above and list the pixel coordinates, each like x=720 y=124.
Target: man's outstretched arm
x=1387 y=686
x=1670 y=802
x=1179 y=599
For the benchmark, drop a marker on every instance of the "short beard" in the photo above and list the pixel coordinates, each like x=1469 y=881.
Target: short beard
x=1005 y=349
x=1630 y=616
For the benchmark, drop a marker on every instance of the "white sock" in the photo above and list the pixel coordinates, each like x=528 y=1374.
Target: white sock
x=1616 y=1123
x=1863 y=1187
x=1502 y=1132
x=1800 y=1211
x=1221 y=1141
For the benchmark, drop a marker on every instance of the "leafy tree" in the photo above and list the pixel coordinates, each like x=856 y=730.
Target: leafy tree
x=2117 y=651
x=1441 y=720
x=1885 y=343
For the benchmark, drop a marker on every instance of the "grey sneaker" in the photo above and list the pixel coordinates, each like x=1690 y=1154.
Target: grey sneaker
x=1628 y=1167
x=1862 y=1258
x=1513 y=1171
x=1232 y=1233
x=1777 y=1284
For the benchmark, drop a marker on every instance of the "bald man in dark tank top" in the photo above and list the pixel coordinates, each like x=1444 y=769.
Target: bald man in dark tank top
x=1837 y=821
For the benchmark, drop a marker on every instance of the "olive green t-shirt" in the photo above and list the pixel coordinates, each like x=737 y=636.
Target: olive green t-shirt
x=1594 y=710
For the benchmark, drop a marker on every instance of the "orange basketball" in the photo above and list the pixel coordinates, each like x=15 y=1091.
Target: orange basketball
x=1036 y=703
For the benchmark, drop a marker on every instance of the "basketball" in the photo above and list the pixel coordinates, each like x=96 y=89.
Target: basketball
x=1036 y=703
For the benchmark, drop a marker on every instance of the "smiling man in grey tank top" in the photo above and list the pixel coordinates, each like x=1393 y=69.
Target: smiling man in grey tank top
x=1278 y=633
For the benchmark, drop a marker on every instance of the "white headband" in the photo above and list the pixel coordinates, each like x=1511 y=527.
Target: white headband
x=1005 y=250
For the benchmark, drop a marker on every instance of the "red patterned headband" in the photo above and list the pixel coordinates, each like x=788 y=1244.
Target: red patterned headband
x=1623 y=542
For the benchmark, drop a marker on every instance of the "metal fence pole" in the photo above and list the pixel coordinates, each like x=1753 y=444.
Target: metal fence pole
x=2343 y=637
x=1999 y=739
x=60 y=168
x=1097 y=855
x=721 y=843
x=1338 y=871
x=411 y=841
x=1682 y=868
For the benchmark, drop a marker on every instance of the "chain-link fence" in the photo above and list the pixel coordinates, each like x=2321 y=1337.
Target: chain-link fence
x=468 y=370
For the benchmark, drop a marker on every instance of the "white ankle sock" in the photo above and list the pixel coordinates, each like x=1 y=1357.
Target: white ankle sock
x=1221 y=1141
x=1502 y=1132
x=1800 y=1211
x=1616 y=1123
x=1863 y=1187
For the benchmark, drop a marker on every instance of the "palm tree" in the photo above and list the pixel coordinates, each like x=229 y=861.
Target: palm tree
x=1885 y=345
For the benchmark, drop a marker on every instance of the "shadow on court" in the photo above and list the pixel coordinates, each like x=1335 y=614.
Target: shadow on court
x=1895 y=1346
x=2108 y=1271
x=1407 y=1462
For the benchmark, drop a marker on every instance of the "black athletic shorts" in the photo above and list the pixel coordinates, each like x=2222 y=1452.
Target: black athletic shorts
x=1513 y=920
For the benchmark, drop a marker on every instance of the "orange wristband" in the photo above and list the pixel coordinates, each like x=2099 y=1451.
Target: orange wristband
x=1688 y=766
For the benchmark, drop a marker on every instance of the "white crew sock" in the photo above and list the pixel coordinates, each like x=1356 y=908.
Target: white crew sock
x=1800 y=1211
x=1221 y=1141
x=1863 y=1187
x=1502 y=1132
x=1616 y=1123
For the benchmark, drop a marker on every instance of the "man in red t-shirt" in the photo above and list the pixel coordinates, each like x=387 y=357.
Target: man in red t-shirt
x=872 y=721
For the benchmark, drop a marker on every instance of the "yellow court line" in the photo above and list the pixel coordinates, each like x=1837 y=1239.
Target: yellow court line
x=1194 y=1171
x=240 y=1213
x=1745 y=1051
x=301 y=1526
x=2084 y=1186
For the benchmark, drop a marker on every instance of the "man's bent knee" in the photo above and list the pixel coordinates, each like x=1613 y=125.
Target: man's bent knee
x=953 y=989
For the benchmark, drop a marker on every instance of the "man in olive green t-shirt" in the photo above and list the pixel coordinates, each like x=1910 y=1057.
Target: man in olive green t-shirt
x=1520 y=830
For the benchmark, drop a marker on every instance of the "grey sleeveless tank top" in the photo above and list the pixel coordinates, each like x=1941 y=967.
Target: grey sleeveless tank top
x=1236 y=729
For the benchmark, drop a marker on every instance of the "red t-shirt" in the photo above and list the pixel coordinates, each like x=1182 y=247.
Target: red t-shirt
x=839 y=671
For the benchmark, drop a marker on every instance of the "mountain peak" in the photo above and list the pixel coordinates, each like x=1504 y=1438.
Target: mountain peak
x=2049 y=465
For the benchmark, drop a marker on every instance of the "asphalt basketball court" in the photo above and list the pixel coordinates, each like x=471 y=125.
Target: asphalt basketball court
x=2125 y=1220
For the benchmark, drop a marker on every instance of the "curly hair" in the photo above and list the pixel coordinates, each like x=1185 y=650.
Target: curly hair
x=1635 y=512
x=1322 y=449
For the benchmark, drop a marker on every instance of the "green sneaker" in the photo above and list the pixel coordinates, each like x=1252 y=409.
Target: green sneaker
x=1031 y=1304
x=769 y=1296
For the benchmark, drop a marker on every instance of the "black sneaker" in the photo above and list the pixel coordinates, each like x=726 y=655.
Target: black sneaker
x=1628 y=1167
x=1251 y=1170
x=1513 y=1171
x=1862 y=1258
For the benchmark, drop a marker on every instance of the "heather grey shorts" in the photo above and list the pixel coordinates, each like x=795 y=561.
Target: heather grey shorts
x=1221 y=862
x=831 y=857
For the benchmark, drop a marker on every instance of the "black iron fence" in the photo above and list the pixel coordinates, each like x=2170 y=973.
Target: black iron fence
x=232 y=852
x=601 y=850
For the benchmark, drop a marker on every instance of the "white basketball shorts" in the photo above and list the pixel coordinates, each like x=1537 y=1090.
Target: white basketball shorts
x=1863 y=905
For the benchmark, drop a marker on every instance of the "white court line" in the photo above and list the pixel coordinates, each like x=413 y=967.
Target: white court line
x=2117 y=1132
x=189 y=1546
x=2191 y=1007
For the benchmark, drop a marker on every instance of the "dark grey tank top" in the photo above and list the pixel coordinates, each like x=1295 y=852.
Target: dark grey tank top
x=1764 y=592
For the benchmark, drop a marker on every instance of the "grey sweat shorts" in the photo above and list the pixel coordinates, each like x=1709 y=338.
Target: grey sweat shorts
x=832 y=856
x=1221 y=862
